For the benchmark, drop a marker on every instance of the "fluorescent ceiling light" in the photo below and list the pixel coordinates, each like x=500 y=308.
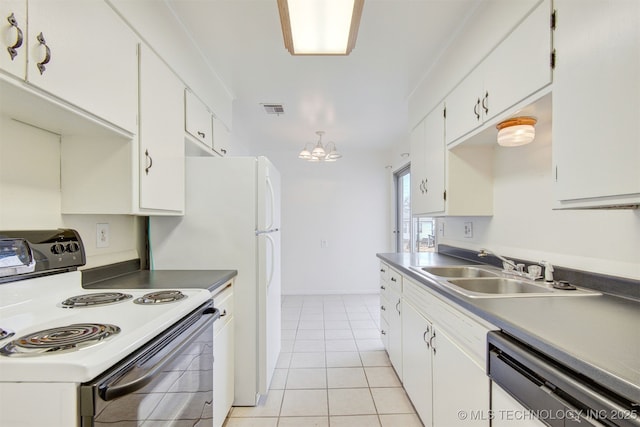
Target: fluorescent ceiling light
x=320 y=27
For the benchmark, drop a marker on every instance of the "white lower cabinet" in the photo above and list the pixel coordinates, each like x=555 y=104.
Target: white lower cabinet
x=443 y=356
x=508 y=412
x=417 y=363
x=223 y=355
x=394 y=336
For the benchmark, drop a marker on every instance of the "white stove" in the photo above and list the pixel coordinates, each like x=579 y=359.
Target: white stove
x=52 y=376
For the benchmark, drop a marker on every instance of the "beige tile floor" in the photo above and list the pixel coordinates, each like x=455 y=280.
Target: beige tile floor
x=332 y=371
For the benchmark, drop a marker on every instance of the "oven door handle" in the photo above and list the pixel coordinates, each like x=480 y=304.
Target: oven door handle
x=110 y=389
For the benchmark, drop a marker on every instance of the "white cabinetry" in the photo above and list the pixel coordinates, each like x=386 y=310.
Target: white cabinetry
x=444 y=353
x=417 y=362
x=79 y=51
x=143 y=175
x=458 y=181
x=390 y=314
x=596 y=103
x=223 y=354
x=428 y=164
x=517 y=68
x=201 y=124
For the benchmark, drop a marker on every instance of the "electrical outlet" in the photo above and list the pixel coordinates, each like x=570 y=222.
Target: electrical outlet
x=468 y=229
x=102 y=235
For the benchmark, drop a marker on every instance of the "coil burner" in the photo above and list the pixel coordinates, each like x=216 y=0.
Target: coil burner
x=160 y=297
x=4 y=333
x=89 y=300
x=61 y=339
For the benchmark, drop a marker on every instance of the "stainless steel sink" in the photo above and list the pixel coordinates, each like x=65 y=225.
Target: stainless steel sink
x=459 y=271
x=505 y=287
x=489 y=282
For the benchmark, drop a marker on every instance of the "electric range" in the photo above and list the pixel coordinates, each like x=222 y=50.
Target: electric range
x=57 y=336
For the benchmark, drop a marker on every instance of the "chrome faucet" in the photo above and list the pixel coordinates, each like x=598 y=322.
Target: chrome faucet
x=485 y=252
x=548 y=271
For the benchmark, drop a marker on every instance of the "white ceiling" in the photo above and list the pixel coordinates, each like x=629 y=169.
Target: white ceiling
x=359 y=100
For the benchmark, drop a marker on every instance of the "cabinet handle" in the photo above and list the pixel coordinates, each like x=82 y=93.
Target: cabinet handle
x=431 y=343
x=202 y=135
x=382 y=287
x=393 y=279
x=383 y=332
x=224 y=313
x=424 y=337
x=47 y=55
x=426 y=181
x=382 y=270
x=13 y=49
x=485 y=103
x=223 y=151
x=383 y=308
x=150 y=163
x=476 y=109
x=397 y=309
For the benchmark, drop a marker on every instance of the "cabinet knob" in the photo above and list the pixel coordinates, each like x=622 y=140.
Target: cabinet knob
x=485 y=103
x=149 y=163
x=47 y=54
x=13 y=50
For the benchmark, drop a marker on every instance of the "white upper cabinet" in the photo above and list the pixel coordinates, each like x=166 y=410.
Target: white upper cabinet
x=82 y=52
x=13 y=33
x=221 y=137
x=428 y=164
x=596 y=103
x=516 y=69
x=161 y=139
x=197 y=119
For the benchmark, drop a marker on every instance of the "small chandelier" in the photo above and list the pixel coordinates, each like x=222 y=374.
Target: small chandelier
x=319 y=152
x=517 y=131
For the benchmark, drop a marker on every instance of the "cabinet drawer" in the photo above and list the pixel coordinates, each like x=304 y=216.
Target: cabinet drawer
x=223 y=301
x=395 y=280
x=384 y=272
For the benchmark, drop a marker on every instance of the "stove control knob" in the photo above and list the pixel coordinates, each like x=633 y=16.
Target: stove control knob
x=73 y=247
x=57 y=249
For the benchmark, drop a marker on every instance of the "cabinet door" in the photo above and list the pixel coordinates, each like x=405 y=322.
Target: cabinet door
x=428 y=164
x=90 y=57
x=223 y=373
x=395 y=331
x=416 y=362
x=13 y=33
x=464 y=106
x=596 y=103
x=221 y=137
x=459 y=384
x=418 y=169
x=198 y=120
x=520 y=65
x=161 y=135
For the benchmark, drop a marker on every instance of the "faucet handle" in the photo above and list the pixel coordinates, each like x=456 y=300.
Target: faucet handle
x=548 y=271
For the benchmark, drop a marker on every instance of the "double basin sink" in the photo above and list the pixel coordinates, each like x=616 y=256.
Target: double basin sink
x=488 y=282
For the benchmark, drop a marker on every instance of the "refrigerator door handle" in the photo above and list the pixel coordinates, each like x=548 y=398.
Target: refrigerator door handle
x=273 y=259
x=272 y=205
x=272 y=230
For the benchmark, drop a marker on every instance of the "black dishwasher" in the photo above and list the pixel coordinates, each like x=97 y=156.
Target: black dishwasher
x=552 y=392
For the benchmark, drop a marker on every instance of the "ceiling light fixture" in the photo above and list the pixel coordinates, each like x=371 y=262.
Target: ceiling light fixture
x=516 y=131
x=319 y=152
x=320 y=27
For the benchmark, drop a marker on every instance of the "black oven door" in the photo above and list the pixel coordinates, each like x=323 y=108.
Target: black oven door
x=167 y=381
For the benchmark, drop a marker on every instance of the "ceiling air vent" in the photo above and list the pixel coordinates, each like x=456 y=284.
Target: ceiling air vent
x=276 y=109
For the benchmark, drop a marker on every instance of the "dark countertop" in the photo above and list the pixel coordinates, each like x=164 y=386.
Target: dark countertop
x=597 y=336
x=166 y=279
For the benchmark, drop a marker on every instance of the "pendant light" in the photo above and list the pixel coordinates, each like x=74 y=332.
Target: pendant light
x=516 y=131
x=320 y=152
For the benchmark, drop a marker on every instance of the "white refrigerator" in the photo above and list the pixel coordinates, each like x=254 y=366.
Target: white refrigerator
x=232 y=222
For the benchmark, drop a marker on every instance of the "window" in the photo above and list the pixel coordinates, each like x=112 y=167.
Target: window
x=402 y=230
